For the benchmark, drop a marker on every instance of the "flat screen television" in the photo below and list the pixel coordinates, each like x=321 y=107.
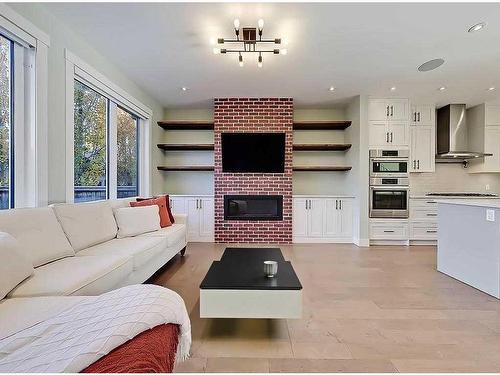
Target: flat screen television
x=253 y=152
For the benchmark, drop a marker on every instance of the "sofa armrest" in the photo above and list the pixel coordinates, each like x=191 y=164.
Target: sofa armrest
x=180 y=218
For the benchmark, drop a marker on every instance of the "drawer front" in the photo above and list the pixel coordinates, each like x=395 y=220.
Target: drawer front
x=388 y=232
x=423 y=231
x=424 y=214
x=423 y=203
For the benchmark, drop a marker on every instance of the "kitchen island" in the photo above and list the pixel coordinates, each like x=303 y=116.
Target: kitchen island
x=469 y=242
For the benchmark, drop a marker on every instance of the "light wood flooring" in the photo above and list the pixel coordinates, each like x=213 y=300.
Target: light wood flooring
x=377 y=309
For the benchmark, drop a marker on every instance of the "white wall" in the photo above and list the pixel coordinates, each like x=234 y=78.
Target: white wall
x=61 y=37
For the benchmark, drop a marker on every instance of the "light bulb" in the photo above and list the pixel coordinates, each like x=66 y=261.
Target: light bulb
x=283 y=51
x=237 y=24
x=216 y=51
x=261 y=24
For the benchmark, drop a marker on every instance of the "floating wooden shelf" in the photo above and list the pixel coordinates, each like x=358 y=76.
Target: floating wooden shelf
x=322 y=147
x=185 y=147
x=186 y=125
x=187 y=168
x=307 y=168
x=321 y=125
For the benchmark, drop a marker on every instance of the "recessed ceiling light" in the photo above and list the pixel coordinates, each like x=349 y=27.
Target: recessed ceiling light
x=476 y=27
x=442 y=88
x=430 y=65
x=491 y=88
x=393 y=88
x=331 y=88
x=184 y=88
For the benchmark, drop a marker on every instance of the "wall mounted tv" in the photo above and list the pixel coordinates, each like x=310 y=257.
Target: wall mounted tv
x=253 y=152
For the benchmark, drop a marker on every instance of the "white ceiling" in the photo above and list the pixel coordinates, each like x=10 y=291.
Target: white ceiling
x=358 y=48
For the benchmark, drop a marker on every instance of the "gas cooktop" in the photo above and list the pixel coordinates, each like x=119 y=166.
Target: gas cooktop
x=461 y=195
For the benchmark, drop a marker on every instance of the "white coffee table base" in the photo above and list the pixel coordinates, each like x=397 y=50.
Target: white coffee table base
x=239 y=303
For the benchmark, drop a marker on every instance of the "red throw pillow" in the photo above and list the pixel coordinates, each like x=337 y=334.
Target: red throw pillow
x=169 y=209
x=161 y=203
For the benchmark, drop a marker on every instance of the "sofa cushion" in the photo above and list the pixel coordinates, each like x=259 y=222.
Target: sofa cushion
x=87 y=224
x=140 y=249
x=133 y=221
x=14 y=266
x=161 y=202
x=174 y=234
x=40 y=236
x=76 y=276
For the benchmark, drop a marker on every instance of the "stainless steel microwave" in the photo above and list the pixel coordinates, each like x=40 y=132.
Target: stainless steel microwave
x=389 y=163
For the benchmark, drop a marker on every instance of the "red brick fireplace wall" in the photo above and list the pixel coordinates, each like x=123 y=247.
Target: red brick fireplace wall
x=253 y=115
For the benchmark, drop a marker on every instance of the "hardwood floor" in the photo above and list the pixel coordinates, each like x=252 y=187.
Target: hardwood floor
x=377 y=309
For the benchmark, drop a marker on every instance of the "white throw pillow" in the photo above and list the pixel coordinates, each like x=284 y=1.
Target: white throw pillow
x=14 y=267
x=133 y=221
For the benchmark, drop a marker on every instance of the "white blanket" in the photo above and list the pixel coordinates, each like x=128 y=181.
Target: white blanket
x=75 y=338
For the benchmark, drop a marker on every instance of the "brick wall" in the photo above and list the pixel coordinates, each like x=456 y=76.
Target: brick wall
x=246 y=115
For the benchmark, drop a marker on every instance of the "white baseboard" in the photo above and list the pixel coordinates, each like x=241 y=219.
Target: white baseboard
x=389 y=242
x=423 y=242
x=361 y=242
x=321 y=240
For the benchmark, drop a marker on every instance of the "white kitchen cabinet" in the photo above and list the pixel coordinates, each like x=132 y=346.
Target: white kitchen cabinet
x=200 y=216
x=322 y=219
x=484 y=136
x=423 y=114
x=388 y=123
x=422 y=148
x=423 y=220
x=388 y=230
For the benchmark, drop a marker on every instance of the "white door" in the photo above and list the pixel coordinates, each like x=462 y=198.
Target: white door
x=206 y=215
x=316 y=220
x=492 y=146
x=378 y=110
x=345 y=218
x=177 y=205
x=378 y=134
x=332 y=217
x=300 y=217
x=398 y=109
x=422 y=152
x=424 y=115
x=398 y=134
x=193 y=219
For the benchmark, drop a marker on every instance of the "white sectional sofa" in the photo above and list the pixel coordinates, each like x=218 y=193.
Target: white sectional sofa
x=74 y=248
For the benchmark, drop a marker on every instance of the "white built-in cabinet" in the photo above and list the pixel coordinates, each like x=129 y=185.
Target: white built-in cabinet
x=326 y=219
x=484 y=136
x=422 y=138
x=388 y=123
x=200 y=215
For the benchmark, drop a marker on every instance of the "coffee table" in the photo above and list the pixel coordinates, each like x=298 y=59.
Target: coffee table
x=236 y=287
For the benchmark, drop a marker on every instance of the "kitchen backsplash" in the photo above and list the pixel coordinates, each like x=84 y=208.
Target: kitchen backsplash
x=453 y=178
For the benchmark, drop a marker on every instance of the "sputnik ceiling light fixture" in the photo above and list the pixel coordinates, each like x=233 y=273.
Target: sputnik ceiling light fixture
x=250 y=41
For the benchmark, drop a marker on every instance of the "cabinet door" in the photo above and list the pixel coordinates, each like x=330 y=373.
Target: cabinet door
x=300 y=217
x=422 y=152
x=206 y=214
x=316 y=219
x=193 y=219
x=424 y=115
x=378 y=134
x=492 y=115
x=177 y=205
x=378 y=109
x=332 y=217
x=492 y=146
x=345 y=218
x=398 y=134
x=398 y=109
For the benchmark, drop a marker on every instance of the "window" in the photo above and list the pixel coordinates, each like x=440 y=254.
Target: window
x=6 y=129
x=104 y=135
x=90 y=149
x=127 y=156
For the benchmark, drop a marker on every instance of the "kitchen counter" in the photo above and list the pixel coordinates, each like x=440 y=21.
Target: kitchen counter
x=469 y=242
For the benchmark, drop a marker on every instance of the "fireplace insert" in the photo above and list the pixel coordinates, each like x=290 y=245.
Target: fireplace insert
x=253 y=207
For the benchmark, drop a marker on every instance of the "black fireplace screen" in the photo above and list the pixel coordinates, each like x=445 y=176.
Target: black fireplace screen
x=253 y=207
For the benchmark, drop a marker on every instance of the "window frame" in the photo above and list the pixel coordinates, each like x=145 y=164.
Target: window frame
x=77 y=69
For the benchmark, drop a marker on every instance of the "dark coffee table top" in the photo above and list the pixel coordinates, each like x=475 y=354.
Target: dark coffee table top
x=243 y=268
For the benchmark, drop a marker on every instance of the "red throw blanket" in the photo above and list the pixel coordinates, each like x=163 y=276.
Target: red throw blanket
x=150 y=351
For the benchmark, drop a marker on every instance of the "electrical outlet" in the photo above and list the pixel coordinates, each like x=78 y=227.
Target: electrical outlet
x=487 y=187
x=490 y=215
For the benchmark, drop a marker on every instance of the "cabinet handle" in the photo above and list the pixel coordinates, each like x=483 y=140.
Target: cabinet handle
x=431 y=214
x=418 y=164
x=392 y=111
x=388 y=231
x=431 y=231
x=414 y=167
x=387 y=137
x=414 y=116
x=418 y=116
x=391 y=137
x=201 y=204
x=433 y=202
x=197 y=203
x=387 y=111
x=336 y=204
x=340 y=203
x=306 y=204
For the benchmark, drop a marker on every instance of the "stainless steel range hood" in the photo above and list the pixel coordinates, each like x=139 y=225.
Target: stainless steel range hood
x=452 y=135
